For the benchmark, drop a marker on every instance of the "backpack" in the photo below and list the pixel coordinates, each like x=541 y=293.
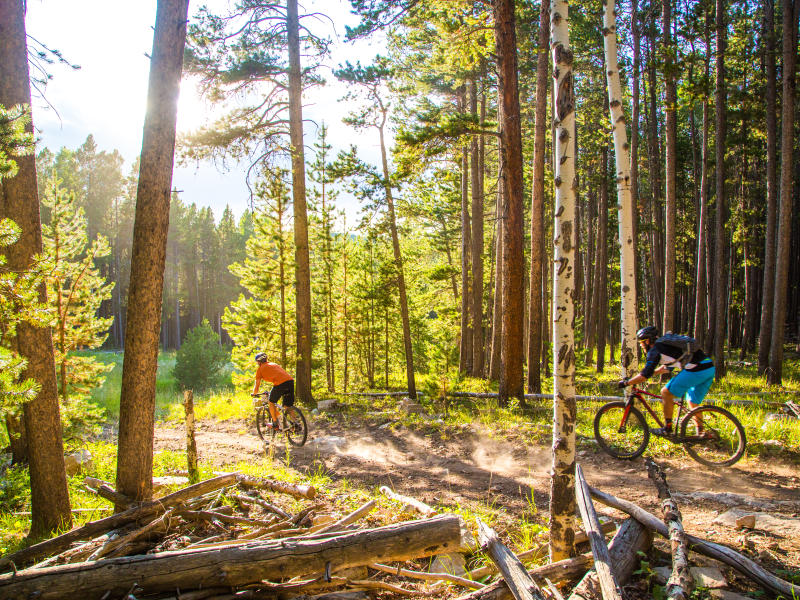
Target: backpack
x=687 y=345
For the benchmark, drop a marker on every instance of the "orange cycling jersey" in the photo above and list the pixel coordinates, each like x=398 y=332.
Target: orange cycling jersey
x=271 y=372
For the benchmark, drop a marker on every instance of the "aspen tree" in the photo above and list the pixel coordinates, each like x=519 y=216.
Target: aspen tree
x=627 y=262
x=562 y=487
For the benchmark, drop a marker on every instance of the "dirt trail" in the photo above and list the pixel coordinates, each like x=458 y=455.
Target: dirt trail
x=472 y=467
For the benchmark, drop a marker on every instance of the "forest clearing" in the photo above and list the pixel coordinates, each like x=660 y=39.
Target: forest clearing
x=412 y=345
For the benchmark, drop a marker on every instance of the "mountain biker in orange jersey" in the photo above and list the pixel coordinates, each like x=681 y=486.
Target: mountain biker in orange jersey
x=693 y=381
x=282 y=385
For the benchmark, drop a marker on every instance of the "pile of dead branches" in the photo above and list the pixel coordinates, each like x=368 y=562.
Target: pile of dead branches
x=236 y=536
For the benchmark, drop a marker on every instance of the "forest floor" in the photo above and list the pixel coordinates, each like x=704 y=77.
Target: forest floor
x=477 y=467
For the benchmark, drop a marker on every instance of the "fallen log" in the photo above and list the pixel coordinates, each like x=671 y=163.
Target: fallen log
x=609 y=586
x=298 y=491
x=631 y=538
x=422 y=508
x=534 y=553
x=237 y=566
x=741 y=563
x=563 y=570
x=513 y=571
x=145 y=511
x=680 y=582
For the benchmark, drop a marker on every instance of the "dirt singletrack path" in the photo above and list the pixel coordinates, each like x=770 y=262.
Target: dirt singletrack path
x=472 y=466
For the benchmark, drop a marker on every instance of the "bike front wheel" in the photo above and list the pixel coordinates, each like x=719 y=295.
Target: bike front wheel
x=620 y=435
x=722 y=441
x=294 y=425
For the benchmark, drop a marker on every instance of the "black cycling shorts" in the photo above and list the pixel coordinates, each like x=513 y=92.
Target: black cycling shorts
x=283 y=390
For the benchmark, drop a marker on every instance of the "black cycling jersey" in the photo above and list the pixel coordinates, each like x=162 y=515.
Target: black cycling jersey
x=666 y=354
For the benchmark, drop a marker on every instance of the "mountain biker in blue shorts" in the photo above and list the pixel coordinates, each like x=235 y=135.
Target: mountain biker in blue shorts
x=693 y=381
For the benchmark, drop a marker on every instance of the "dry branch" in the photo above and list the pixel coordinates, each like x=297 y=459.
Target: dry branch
x=474 y=585
x=263 y=504
x=144 y=512
x=631 y=538
x=721 y=553
x=298 y=491
x=105 y=490
x=563 y=570
x=602 y=561
x=237 y=566
x=422 y=508
x=680 y=583
x=513 y=571
x=351 y=518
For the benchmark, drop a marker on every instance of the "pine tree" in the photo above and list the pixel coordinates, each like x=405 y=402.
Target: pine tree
x=76 y=290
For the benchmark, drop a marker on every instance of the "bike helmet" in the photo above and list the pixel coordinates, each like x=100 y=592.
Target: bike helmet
x=261 y=357
x=647 y=333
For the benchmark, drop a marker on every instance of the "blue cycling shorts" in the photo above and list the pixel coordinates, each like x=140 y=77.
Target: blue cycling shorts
x=693 y=384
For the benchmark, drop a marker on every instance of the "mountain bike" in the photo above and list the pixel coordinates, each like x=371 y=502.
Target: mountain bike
x=291 y=422
x=711 y=435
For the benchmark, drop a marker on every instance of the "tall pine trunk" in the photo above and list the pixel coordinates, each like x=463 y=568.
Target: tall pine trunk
x=601 y=310
x=701 y=278
x=670 y=196
x=148 y=255
x=768 y=288
x=398 y=261
x=511 y=373
x=635 y=148
x=476 y=184
x=562 y=483
x=497 y=310
x=537 y=207
x=720 y=246
x=775 y=370
x=301 y=251
x=465 y=357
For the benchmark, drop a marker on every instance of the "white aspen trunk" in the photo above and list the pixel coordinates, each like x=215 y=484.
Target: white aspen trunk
x=562 y=484
x=627 y=257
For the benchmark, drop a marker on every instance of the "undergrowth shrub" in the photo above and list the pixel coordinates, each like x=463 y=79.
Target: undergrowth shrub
x=200 y=358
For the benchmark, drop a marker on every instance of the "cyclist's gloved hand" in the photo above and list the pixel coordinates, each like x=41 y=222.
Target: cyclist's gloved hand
x=622 y=382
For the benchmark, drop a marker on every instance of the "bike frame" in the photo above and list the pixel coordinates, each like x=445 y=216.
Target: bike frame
x=640 y=394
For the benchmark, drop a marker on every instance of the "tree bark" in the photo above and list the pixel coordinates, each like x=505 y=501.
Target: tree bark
x=562 y=485
x=238 y=565
x=398 y=261
x=138 y=393
x=537 y=207
x=516 y=577
x=702 y=279
x=601 y=307
x=631 y=539
x=625 y=207
x=635 y=149
x=19 y=201
x=301 y=251
x=602 y=560
x=775 y=371
x=670 y=195
x=476 y=186
x=511 y=371
x=720 y=247
x=191 y=443
x=465 y=355
x=497 y=305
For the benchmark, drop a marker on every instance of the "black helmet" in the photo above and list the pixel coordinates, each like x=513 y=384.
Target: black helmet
x=261 y=357
x=647 y=333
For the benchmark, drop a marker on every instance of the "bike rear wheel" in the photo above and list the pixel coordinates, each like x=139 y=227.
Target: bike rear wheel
x=621 y=440
x=294 y=426
x=724 y=441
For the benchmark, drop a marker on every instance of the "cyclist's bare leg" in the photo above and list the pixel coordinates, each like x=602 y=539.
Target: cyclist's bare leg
x=668 y=401
x=273 y=411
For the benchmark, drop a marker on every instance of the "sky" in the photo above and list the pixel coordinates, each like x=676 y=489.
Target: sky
x=110 y=40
